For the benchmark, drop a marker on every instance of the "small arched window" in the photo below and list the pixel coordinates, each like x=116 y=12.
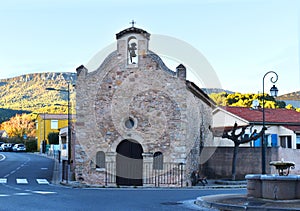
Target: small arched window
x=100 y=159
x=158 y=161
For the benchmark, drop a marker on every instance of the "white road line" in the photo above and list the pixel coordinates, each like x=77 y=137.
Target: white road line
x=22 y=194
x=22 y=181
x=2 y=157
x=44 y=192
x=4 y=195
x=3 y=180
x=42 y=181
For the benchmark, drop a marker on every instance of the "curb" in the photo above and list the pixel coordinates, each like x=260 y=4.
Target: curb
x=215 y=202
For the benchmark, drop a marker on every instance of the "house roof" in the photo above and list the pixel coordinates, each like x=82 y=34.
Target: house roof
x=295 y=128
x=272 y=116
x=56 y=116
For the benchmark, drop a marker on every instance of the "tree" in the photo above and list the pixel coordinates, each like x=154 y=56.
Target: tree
x=19 y=125
x=239 y=139
x=245 y=100
x=219 y=98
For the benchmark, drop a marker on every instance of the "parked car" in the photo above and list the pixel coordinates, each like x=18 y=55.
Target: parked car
x=7 y=147
x=1 y=145
x=19 y=148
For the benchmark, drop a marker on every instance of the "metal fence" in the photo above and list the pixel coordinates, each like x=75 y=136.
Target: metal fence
x=172 y=174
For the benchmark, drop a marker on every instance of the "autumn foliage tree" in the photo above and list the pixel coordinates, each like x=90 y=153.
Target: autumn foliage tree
x=245 y=100
x=19 y=125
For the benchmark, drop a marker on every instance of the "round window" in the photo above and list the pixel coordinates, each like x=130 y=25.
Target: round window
x=129 y=123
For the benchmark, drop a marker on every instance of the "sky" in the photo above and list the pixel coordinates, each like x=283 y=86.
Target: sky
x=241 y=39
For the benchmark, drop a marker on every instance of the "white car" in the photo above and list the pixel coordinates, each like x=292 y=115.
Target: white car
x=19 y=148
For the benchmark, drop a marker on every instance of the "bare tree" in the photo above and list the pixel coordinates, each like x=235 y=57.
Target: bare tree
x=238 y=139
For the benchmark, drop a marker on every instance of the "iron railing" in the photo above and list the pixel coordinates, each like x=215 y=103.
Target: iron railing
x=172 y=174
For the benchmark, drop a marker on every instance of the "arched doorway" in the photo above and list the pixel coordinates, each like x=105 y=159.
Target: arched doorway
x=129 y=160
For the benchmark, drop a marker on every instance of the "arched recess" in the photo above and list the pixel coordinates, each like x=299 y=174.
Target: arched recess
x=132 y=45
x=129 y=163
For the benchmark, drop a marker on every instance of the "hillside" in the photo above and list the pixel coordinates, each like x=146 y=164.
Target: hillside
x=216 y=90
x=6 y=114
x=294 y=96
x=28 y=92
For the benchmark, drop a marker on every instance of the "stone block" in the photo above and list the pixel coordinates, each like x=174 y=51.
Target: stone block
x=279 y=187
x=254 y=185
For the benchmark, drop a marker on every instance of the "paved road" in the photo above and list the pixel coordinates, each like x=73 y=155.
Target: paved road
x=35 y=196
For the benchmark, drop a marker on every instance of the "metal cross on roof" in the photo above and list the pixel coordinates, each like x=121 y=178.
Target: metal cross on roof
x=132 y=23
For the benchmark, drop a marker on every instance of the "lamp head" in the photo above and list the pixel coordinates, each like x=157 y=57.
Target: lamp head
x=274 y=91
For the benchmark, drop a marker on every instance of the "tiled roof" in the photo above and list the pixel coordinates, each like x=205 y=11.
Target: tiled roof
x=282 y=116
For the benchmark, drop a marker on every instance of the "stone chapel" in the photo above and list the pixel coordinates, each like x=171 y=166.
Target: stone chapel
x=138 y=122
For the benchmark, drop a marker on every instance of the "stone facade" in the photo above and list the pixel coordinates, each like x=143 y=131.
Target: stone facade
x=138 y=122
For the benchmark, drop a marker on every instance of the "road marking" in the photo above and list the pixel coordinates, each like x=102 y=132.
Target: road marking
x=22 y=194
x=44 y=168
x=25 y=181
x=42 y=181
x=3 y=195
x=3 y=180
x=22 y=181
x=2 y=157
x=44 y=192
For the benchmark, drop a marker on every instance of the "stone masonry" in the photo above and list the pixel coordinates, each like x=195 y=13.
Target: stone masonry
x=133 y=97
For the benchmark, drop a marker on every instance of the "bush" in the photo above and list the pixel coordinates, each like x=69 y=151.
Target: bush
x=31 y=145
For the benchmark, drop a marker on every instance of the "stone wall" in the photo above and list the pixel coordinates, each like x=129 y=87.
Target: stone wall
x=248 y=162
x=290 y=155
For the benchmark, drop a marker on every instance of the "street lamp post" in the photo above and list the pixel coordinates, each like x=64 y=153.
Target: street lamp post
x=44 y=141
x=273 y=92
x=69 y=118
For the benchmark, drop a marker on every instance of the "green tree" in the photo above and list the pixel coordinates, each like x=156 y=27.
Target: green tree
x=53 y=138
